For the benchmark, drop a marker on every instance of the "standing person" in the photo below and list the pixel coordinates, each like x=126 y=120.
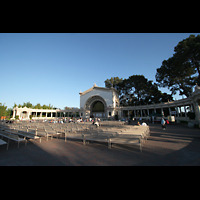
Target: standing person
x=163 y=124
x=153 y=119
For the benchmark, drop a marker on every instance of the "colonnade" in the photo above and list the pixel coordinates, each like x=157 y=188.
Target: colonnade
x=178 y=108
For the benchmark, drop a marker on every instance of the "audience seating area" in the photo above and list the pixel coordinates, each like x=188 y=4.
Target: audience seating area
x=110 y=132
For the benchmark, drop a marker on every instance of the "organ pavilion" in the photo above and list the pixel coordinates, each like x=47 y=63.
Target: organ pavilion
x=101 y=102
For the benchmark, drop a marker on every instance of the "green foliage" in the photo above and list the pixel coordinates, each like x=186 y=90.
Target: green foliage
x=113 y=82
x=3 y=111
x=38 y=106
x=182 y=71
x=137 y=90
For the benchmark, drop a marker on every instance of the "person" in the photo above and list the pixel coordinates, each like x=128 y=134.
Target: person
x=163 y=124
x=153 y=119
x=138 y=123
x=96 y=123
x=143 y=124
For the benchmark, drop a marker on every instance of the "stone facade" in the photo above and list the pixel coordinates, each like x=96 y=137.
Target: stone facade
x=107 y=96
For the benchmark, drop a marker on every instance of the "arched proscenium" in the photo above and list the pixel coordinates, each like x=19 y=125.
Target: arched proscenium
x=91 y=100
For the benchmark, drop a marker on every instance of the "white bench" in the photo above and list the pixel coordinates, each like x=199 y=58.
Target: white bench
x=50 y=132
x=30 y=135
x=126 y=139
x=14 y=137
x=2 y=142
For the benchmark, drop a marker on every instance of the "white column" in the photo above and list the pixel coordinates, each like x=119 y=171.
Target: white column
x=162 y=112
x=185 y=111
x=51 y=114
x=13 y=113
x=198 y=111
x=46 y=114
x=191 y=107
x=177 y=111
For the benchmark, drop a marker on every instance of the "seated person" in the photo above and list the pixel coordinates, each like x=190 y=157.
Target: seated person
x=138 y=123
x=143 y=124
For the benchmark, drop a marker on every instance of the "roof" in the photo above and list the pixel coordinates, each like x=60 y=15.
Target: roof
x=95 y=87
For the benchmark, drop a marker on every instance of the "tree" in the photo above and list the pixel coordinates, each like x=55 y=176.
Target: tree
x=113 y=82
x=38 y=106
x=28 y=105
x=138 y=90
x=182 y=71
x=3 y=111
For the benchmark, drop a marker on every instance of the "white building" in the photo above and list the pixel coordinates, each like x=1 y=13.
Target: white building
x=99 y=102
x=104 y=103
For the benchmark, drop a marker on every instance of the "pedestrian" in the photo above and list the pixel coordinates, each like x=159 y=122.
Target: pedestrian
x=163 y=124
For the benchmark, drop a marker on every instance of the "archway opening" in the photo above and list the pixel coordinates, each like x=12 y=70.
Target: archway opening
x=97 y=106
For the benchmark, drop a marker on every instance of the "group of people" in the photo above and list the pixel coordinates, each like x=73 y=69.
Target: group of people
x=163 y=123
x=143 y=124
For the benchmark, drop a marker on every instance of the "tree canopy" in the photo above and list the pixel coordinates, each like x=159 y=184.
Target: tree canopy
x=181 y=71
x=37 y=106
x=137 y=90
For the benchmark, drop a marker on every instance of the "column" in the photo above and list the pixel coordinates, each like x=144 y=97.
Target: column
x=141 y=112
x=169 y=111
x=46 y=114
x=177 y=111
x=198 y=111
x=191 y=107
x=51 y=114
x=154 y=110
x=162 y=113
x=148 y=111
x=13 y=113
x=185 y=111
x=180 y=111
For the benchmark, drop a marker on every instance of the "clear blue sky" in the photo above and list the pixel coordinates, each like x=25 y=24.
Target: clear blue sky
x=53 y=67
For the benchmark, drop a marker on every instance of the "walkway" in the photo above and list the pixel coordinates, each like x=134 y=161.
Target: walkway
x=178 y=145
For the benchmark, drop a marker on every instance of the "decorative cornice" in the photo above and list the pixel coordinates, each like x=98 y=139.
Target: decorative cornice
x=97 y=88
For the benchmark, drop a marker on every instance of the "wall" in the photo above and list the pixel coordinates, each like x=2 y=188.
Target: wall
x=106 y=95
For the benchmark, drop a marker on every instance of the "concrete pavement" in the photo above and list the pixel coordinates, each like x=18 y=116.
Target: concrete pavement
x=177 y=145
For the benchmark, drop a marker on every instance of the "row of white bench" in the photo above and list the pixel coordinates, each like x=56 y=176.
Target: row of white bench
x=136 y=135
x=23 y=135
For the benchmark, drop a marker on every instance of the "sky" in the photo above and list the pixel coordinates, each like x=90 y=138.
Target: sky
x=52 y=68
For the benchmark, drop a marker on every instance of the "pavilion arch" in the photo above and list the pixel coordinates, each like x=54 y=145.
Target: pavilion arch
x=96 y=106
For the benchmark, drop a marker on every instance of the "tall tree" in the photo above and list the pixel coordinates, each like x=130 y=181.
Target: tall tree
x=113 y=82
x=138 y=90
x=3 y=111
x=182 y=70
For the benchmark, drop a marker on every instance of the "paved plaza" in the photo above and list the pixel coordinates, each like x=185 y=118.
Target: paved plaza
x=176 y=146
